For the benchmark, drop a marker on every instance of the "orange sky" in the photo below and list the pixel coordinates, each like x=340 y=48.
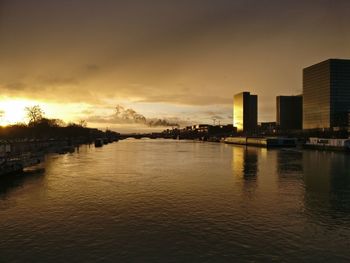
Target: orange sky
x=177 y=60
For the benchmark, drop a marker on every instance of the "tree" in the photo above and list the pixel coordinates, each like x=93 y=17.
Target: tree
x=44 y=122
x=83 y=123
x=34 y=114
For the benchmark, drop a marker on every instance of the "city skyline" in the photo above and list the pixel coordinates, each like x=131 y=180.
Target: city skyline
x=181 y=62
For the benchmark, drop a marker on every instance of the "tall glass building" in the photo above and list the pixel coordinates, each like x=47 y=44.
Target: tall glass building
x=289 y=112
x=245 y=112
x=326 y=95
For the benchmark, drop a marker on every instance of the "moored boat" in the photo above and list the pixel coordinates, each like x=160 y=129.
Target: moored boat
x=262 y=142
x=98 y=142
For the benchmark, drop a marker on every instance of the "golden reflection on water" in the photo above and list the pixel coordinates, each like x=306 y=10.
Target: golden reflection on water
x=155 y=198
x=245 y=170
x=244 y=162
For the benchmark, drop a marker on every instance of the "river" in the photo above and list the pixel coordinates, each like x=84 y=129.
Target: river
x=179 y=201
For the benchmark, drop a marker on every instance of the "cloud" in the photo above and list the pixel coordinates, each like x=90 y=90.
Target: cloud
x=54 y=85
x=191 y=97
x=217 y=117
x=189 y=53
x=92 y=67
x=57 y=81
x=124 y=115
x=13 y=86
x=129 y=115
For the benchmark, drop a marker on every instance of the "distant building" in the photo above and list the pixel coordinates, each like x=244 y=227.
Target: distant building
x=222 y=129
x=245 y=112
x=203 y=128
x=289 y=112
x=267 y=128
x=212 y=129
x=326 y=95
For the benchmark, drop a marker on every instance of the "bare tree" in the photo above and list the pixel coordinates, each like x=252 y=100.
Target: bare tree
x=59 y=123
x=34 y=113
x=83 y=123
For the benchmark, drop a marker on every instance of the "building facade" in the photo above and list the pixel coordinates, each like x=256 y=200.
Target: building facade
x=245 y=112
x=267 y=128
x=326 y=95
x=289 y=112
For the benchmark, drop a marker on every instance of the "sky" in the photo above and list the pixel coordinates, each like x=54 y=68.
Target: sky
x=180 y=61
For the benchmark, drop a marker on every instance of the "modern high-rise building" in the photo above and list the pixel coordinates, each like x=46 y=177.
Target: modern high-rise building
x=326 y=95
x=245 y=112
x=289 y=112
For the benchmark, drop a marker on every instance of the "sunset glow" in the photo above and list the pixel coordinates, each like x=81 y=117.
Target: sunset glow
x=165 y=59
x=13 y=111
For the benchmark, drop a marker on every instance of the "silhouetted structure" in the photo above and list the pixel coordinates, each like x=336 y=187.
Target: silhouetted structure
x=326 y=95
x=267 y=128
x=289 y=112
x=200 y=131
x=245 y=112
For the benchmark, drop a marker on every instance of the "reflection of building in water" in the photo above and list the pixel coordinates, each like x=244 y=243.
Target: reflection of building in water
x=245 y=162
x=289 y=170
x=327 y=184
x=289 y=162
x=245 y=169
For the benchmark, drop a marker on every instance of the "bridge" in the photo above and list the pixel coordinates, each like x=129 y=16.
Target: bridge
x=143 y=135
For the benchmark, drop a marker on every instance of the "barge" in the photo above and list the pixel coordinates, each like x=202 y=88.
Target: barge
x=268 y=142
x=328 y=144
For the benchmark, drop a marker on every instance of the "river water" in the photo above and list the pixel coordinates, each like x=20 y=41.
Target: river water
x=179 y=201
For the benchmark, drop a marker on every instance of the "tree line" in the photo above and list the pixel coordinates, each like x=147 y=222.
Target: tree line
x=40 y=127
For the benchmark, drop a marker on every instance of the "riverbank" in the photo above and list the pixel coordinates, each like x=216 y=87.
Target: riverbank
x=16 y=155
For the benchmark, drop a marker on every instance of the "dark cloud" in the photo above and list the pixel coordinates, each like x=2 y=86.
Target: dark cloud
x=92 y=67
x=185 y=98
x=94 y=51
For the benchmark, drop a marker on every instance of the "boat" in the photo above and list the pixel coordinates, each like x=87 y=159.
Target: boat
x=262 y=141
x=328 y=144
x=98 y=142
x=16 y=164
